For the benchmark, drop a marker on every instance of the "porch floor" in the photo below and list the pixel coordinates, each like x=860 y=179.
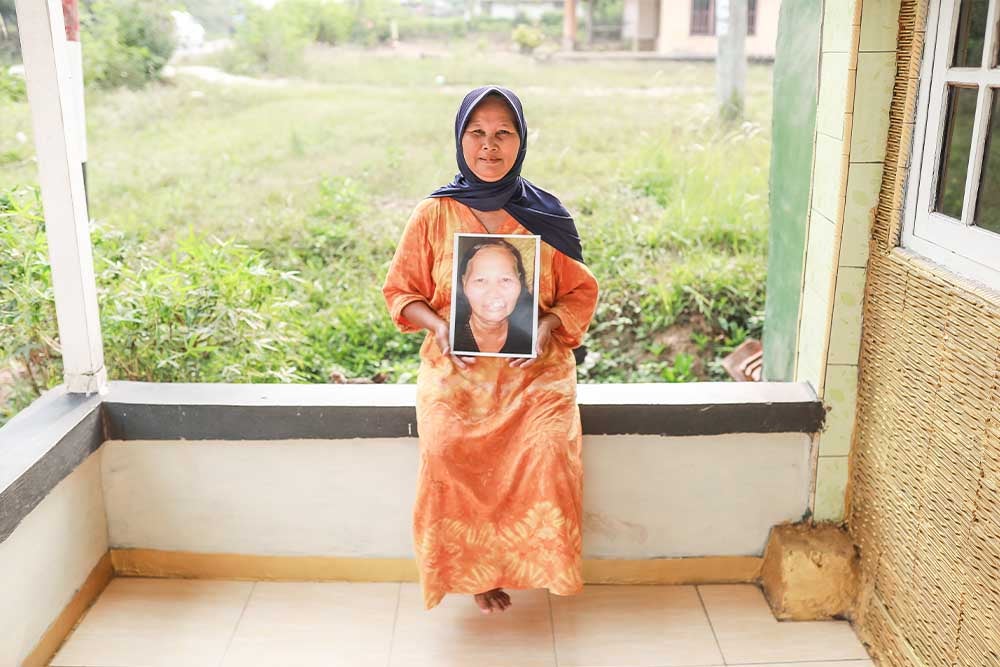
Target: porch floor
x=189 y=623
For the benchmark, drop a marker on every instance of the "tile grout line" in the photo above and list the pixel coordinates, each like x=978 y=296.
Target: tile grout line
x=236 y=627
x=552 y=628
x=711 y=626
x=395 y=619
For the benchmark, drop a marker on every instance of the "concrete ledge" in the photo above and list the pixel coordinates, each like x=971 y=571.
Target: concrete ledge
x=40 y=447
x=165 y=411
x=50 y=438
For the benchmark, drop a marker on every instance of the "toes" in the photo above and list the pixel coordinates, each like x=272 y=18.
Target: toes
x=492 y=601
x=501 y=599
x=484 y=603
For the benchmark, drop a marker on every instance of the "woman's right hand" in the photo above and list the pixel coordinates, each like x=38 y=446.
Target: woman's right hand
x=441 y=336
x=421 y=314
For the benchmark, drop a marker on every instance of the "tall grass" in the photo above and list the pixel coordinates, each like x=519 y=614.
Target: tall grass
x=243 y=233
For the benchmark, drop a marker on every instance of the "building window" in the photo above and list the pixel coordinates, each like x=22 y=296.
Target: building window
x=953 y=194
x=703 y=17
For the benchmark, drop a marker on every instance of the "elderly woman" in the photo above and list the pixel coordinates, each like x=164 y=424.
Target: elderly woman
x=493 y=307
x=500 y=484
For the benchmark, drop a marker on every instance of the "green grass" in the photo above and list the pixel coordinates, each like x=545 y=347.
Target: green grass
x=317 y=176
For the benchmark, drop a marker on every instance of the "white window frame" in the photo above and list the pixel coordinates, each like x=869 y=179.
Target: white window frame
x=967 y=250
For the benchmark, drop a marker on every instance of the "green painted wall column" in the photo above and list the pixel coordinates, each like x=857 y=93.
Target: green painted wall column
x=796 y=79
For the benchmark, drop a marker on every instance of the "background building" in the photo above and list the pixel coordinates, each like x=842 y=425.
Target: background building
x=686 y=28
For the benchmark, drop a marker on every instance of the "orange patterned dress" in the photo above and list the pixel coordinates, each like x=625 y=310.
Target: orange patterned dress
x=500 y=487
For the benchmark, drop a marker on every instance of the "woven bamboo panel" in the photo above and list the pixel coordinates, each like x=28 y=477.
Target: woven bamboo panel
x=878 y=627
x=924 y=489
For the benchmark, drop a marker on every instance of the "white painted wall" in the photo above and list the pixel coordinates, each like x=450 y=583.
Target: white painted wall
x=48 y=557
x=644 y=496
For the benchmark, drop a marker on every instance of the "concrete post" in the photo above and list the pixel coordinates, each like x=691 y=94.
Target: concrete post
x=47 y=69
x=731 y=63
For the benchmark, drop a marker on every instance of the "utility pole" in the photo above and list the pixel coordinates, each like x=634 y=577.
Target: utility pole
x=569 y=25
x=731 y=61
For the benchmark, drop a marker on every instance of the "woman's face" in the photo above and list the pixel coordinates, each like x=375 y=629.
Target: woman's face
x=490 y=141
x=491 y=284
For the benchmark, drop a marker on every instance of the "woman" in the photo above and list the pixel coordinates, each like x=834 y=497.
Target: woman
x=500 y=484
x=493 y=307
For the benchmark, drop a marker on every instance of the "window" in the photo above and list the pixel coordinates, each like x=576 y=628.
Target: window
x=703 y=17
x=953 y=190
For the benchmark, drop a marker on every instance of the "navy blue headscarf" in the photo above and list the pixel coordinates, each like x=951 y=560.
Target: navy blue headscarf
x=540 y=212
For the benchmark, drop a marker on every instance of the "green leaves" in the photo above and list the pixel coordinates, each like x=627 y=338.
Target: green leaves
x=125 y=42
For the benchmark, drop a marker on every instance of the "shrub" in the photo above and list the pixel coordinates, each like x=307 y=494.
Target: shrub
x=29 y=352
x=527 y=37
x=11 y=87
x=210 y=311
x=271 y=40
x=332 y=23
x=125 y=42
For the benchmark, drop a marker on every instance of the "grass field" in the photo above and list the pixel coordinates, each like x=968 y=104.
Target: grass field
x=317 y=175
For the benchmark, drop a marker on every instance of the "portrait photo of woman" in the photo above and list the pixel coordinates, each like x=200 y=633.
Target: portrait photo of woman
x=495 y=310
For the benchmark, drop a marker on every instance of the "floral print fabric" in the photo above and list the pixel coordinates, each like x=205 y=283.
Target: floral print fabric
x=500 y=485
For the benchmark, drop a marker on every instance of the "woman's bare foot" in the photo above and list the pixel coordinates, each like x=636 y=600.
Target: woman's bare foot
x=492 y=600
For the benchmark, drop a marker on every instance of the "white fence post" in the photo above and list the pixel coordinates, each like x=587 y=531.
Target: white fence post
x=46 y=67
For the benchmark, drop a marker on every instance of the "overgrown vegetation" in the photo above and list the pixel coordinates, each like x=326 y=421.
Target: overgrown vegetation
x=125 y=42
x=242 y=234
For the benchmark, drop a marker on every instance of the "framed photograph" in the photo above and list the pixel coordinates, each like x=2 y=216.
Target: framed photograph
x=494 y=287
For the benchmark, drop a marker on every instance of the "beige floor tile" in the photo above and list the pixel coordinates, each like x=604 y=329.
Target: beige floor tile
x=638 y=626
x=457 y=634
x=331 y=624
x=152 y=622
x=749 y=633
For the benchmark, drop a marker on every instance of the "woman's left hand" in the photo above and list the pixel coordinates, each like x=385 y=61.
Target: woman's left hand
x=546 y=325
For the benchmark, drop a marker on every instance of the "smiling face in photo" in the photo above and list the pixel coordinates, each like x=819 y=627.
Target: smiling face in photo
x=490 y=142
x=491 y=284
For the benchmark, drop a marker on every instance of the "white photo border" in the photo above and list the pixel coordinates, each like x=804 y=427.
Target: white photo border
x=534 y=294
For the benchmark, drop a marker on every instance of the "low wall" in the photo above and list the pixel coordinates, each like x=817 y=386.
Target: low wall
x=47 y=559
x=317 y=481
x=644 y=496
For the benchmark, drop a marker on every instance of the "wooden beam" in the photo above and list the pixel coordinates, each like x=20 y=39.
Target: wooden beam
x=47 y=70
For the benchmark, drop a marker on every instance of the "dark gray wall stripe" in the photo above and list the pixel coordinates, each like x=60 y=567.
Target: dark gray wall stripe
x=710 y=419
x=132 y=421
x=18 y=499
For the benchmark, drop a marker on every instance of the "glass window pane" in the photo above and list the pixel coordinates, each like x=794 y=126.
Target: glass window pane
x=971 y=34
x=955 y=150
x=988 y=204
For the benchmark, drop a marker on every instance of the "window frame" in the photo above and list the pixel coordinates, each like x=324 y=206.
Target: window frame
x=958 y=245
